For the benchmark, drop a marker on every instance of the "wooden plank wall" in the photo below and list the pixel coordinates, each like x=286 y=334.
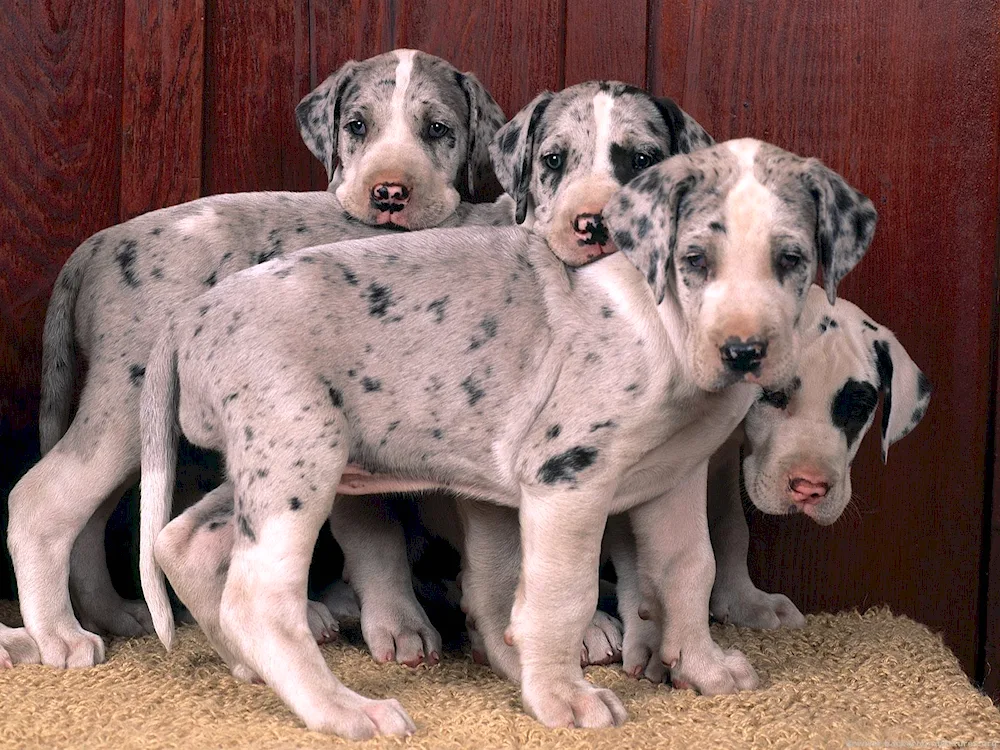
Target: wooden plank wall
x=112 y=108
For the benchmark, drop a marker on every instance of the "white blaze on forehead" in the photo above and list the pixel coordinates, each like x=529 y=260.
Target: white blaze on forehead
x=603 y=104
x=397 y=129
x=751 y=209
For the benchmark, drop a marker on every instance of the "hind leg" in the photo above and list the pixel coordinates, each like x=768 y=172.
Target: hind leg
x=48 y=509
x=98 y=605
x=264 y=619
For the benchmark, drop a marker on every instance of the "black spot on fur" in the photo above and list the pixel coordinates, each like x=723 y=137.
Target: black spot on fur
x=606 y=312
x=379 y=300
x=883 y=364
x=135 y=374
x=246 y=529
x=349 y=275
x=211 y=280
x=126 y=262
x=438 y=308
x=294 y=503
x=156 y=272
x=248 y=432
x=230 y=397
x=924 y=387
x=852 y=408
x=489 y=326
x=474 y=390
x=371 y=384
x=509 y=141
x=717 y=226
x=601 y=425
x=336 y=397
x=437 y=433
x=869 y=325
x=565 y=466
x=553 y=432
x=624 y=240
x=267 y=255
x=155 y=231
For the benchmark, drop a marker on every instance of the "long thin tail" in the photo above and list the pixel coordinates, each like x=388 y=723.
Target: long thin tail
x=160 y=433
x=59 y=353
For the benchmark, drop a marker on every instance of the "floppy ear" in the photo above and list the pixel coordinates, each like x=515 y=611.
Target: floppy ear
x=686 y=135
x=513 y=149
x=318 y=115
x=906 y=391
x=845 y=223
x=485 y=118
x=642 y=217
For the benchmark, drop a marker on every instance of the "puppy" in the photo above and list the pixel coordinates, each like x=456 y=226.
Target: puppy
x=401 y=135
x=570 y=394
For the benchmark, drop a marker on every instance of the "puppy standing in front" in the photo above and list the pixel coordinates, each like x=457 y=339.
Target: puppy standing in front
x=667 y=340
x=403 y=136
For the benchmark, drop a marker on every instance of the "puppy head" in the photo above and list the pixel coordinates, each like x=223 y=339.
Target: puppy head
x=565 y=154
x=801 y=440
x=403 y=137
x=730 y=238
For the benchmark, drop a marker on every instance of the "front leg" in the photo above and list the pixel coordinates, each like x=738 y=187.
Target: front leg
x=677 y=570
x=735 y=598
x=561 y=541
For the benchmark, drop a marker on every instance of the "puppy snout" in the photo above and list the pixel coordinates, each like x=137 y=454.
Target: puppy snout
x=808 y=489
x=743 y=356
x=390 y=196
x=590 y=229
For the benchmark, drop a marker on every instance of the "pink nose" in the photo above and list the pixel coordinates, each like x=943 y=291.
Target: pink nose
x=590 y=229
x=392 y=193
x=808 y=489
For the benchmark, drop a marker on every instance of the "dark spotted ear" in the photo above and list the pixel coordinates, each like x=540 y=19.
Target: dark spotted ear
x=642 y=217
x=906 y=391
x=513 y=150
x=686 y=135
x=485 y=118
x=318 y=115
x=845 y=223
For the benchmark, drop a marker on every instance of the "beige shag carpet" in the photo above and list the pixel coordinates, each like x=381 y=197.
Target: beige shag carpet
x=848 y=680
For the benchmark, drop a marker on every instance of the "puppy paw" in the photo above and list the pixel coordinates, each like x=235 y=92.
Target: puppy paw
x=354 y=717
x=342 y=602
x=322 y=624
x=602 y=640
x=120 y=617
x=573 y=704
x=713 y=671
x=70 y=648
x=17 y=647
x=400 y=631
x=754 y=608
x=641 y=652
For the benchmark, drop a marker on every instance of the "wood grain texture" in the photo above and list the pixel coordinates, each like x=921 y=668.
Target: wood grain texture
x=257 y=70
x=515 y=48
x=904 y=105
x=60 y=115
x=164 y=56
x=605 y=40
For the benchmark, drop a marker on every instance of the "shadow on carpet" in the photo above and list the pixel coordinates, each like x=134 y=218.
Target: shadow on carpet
x=847 y=680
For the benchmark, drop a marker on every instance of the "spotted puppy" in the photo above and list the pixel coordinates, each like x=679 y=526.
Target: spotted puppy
x=798 y=444
x=364 y=351
x=603 y=134
x=402 y=136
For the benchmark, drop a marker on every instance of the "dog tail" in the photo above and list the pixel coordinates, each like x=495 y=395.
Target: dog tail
x=59 y=353
x=158 y=408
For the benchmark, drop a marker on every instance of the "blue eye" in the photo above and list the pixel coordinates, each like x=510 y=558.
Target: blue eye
x=437 y=130
x=553 y=161
x=357 y=127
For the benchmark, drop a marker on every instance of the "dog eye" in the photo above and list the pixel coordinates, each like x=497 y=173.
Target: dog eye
x=789 y=261
x=357 y=127
x=437 y=130
x=553 y=161
x=696 y=259
x=641 y=161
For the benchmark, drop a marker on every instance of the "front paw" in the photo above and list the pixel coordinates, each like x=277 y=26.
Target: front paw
x=754 y=608
x=641 y=651
x=573 y=704
x=712 y=671
x=602 y=640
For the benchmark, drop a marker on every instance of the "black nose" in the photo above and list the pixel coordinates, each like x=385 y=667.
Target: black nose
x=743 y=356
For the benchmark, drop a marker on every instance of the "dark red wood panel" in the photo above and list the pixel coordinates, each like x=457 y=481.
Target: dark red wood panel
x=605 y=40
x=60 y=116
x=515 y=48
x=161 y=129
x=670 y=24
x=904 y=104
x=257 y=70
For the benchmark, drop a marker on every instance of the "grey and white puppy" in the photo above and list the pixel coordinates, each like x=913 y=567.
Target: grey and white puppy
x=604 y=133
x=569 y=394
x=401 y=134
